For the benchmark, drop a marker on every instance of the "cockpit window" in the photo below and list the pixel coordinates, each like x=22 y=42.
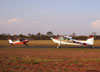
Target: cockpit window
x=21 y=39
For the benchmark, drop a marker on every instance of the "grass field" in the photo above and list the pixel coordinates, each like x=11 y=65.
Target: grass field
x=49 y=59
x=41 y=43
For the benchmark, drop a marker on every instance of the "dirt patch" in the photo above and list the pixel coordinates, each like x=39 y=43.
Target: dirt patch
x=49 y=60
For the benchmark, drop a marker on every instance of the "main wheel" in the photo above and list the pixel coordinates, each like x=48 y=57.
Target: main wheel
x=58 y=46
x=91 y=46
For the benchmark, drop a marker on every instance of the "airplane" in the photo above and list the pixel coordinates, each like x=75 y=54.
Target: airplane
x=69 y=41
x=19 y=42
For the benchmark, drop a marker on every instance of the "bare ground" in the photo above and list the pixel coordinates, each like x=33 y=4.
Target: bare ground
x=49 y=60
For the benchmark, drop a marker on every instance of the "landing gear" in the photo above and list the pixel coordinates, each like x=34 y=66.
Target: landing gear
x=59 y=45
x=91 y=46
x=25 y=45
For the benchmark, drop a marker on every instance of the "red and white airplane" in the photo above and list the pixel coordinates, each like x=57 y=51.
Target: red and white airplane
x=68 y=40
x=19 y=42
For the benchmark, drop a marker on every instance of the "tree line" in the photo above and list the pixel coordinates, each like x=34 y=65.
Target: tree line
x=40 y=36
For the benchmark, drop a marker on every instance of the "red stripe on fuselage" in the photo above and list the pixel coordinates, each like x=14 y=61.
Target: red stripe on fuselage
x=18 y=43
x=23 y=42
x=80 y=43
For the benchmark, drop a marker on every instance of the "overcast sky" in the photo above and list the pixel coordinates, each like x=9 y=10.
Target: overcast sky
x=59 y=16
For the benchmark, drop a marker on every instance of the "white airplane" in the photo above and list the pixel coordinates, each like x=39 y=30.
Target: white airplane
x=68 y=40
x=18 y=42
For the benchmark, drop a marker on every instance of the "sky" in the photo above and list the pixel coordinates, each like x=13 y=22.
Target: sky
x=59 y=16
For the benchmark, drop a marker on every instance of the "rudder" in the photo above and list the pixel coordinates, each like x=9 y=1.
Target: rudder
x=90 y=39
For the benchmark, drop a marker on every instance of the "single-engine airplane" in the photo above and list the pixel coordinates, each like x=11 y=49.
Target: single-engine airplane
x=19 y=42
x=68 y=40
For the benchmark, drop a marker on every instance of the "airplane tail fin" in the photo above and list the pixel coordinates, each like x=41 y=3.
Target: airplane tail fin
x=10 y=41
x=90 y=39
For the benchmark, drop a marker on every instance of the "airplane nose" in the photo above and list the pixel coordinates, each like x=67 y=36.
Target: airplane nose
x=26 y=40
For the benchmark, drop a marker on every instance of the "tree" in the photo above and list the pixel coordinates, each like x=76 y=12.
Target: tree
x=4 y=36
x=21 y=36
x=49 y=33
x=94 y=33
x=38 y=34
x=73 y=34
